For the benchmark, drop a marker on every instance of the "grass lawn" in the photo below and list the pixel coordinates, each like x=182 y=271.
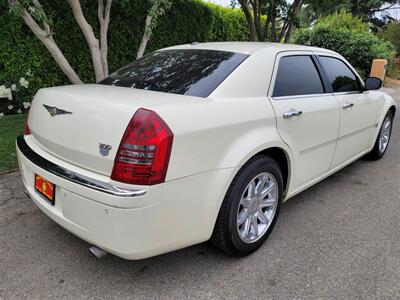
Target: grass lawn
x=10 y=128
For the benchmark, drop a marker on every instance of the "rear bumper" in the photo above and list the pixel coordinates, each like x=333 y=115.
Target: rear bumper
x=75 y=177
x=150 y=221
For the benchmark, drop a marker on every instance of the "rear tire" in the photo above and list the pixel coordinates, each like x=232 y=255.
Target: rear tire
x=250 y=208
x=383 y=139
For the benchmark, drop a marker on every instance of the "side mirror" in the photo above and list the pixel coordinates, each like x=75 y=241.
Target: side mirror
x=373 y=83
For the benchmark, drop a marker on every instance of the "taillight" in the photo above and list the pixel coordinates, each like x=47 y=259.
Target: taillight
x=144 y=152
x=27 y=131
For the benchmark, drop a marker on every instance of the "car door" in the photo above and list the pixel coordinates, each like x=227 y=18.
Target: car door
x=358 y=109
x=307 y=114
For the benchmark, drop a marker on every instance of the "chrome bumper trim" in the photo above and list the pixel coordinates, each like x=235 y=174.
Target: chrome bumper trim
x=72 y=176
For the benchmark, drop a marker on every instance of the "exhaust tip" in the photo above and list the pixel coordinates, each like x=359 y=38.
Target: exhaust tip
x=98 y=252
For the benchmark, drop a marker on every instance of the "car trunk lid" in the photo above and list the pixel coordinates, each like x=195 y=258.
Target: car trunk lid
x=84 y=124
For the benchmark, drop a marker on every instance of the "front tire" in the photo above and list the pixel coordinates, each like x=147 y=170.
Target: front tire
x=383 y=139
x=250 y=208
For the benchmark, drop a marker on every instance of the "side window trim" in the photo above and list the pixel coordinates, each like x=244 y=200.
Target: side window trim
x=348 y=66
x=322 y=76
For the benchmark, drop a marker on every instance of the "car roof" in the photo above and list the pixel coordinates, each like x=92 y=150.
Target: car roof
x=247 y=48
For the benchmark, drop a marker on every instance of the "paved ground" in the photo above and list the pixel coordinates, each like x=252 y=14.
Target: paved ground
x=339 y=239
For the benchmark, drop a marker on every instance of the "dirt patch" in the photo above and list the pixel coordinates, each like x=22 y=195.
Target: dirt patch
x=391 y=83
x=17 y=215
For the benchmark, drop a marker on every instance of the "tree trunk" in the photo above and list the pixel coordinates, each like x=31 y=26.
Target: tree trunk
x=91 y=39
x=273 y=26
x=287 y=27
x=249 y=19
x=145 y=38
x=257 y=5
x=296 y=9
x=104 y=20
x=354 y=7
x=270 y=21
x=47 y=40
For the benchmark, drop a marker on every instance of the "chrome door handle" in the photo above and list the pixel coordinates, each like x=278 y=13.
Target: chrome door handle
x=292 y=113
x=347 y=105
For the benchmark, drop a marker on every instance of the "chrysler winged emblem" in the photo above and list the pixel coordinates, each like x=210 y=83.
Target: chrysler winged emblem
x=104 y=149
x=54 y=111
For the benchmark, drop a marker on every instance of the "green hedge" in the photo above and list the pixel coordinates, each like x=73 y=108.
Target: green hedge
x=359 y=48
x=187 y=21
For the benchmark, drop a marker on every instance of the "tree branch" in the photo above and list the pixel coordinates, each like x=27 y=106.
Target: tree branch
x=249 y=18
x=257 y=6
x=48 y=41
x=157 y=9
x=145 y=38
x=104 y=20
x=91 y=39
x=287 y=27
x=385 y=8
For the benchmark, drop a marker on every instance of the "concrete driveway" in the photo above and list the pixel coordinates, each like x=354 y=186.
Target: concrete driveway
x=339 y=239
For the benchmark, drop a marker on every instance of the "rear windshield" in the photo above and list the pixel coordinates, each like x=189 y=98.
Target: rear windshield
x=184 y=72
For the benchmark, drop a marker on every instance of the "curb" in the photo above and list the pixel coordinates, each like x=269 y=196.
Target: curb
x=9 y=171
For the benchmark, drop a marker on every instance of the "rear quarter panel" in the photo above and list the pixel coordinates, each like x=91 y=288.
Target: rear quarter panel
x=385 y=102
x=216 y=135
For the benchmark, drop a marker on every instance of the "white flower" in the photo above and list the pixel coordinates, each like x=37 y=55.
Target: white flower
x=23 y=82
x=13 y=87
x=3 y=93
x=10 y=107
x=19 y=111
x=28 y=73
x=26 y=104
x=9 y=94
x=1 y=115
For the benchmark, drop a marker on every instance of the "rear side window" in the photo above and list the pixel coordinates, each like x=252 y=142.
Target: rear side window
x=297 y=75
x=186 y=72
x=340 y=76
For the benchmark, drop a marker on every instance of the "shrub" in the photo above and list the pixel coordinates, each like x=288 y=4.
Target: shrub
x=186 y=22
x=359 y=48
x=343 y=20
x=391 y=33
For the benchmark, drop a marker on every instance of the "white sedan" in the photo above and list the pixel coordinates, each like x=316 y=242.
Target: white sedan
x=197 y=142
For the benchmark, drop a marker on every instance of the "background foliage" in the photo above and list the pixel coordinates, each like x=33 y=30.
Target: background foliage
x=391 y=33
x=343 y=20
x=348 y=36
x=188 y=21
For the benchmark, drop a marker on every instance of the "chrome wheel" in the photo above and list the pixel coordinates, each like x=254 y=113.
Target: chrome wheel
x=384 y=135
x=257 y=207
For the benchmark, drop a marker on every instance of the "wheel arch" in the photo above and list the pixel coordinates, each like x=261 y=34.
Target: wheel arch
x=283 y=160
x=393 y=109
x=280 y=154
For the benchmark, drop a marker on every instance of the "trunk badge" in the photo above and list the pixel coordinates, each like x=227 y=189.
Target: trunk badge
x=104 y=149
x=54 y=111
